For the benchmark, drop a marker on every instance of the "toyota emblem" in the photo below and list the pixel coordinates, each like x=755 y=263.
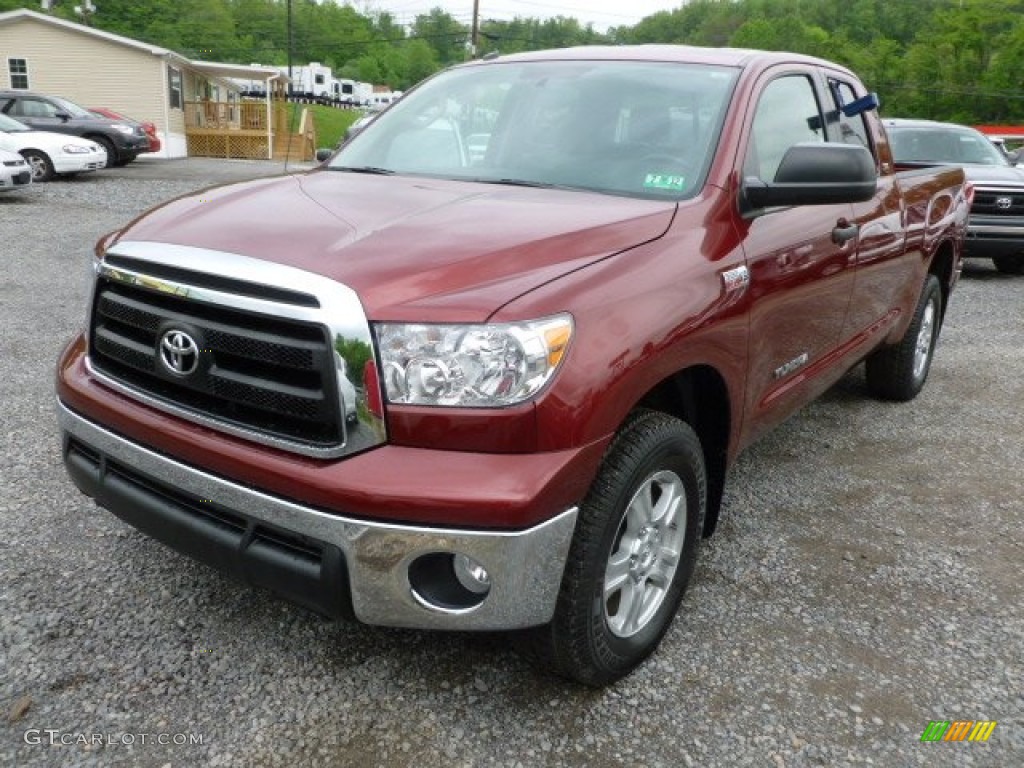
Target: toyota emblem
x=1004 y=202
x=178 y=352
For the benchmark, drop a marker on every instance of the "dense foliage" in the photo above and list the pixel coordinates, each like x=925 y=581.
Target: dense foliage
x=958 y=60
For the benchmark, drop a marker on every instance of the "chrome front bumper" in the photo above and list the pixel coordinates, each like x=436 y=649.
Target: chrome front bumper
x=525 y=567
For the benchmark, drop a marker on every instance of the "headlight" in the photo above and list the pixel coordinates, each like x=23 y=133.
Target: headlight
x=125 y=129
x=75 y=149
x=475 y=366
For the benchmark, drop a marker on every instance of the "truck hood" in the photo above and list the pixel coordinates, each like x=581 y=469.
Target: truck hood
x=413 y=248
x=994 y=174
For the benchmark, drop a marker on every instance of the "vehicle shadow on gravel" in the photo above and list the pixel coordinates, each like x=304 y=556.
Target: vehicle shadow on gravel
x=202 y=611
x=985 y=270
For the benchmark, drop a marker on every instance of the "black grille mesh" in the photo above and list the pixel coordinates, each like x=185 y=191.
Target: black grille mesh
x=266 y=374
x=988 y=203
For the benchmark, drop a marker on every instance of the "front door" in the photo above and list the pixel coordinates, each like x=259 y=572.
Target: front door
x=800 y=277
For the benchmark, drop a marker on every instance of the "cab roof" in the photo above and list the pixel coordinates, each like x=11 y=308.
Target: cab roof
x=741 y=58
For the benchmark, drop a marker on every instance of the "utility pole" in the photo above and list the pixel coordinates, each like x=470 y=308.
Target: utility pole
x=289 y=47
x=475 y=38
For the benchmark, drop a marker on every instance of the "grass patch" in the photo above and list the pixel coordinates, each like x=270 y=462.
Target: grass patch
x=330 y=122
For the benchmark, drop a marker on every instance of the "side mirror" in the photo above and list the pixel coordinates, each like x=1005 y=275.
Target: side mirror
x=323 y=154
x=816 y=173
x=62 y=116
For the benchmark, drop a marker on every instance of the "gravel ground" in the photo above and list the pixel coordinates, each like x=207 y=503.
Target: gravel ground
x=864 y=581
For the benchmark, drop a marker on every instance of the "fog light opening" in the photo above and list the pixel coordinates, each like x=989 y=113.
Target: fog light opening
x=449 y=582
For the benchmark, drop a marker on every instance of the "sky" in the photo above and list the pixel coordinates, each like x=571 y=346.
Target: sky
x=601 y=13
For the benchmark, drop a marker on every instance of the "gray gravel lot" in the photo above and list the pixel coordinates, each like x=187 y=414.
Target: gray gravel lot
x=866 y=579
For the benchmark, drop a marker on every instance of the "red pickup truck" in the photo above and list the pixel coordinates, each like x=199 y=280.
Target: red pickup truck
x=486 y=368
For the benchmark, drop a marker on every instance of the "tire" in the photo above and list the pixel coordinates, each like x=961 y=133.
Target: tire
x=899 y=372
x=108 y=145
x=124 y=160
x=632 y=554
x=1010 y=265
x=40 y=163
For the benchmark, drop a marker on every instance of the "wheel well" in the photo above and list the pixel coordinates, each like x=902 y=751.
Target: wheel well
x=942 y=268
x=699 y=397
x=101 y=139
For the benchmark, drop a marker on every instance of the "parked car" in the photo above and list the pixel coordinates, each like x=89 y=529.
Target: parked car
x=50 y=154
x=148 y=126
x=122 y=139
x=564 y=340
x=14 y=171
x=995 y=229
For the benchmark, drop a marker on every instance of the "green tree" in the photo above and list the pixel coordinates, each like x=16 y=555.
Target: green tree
x=206 y=30
x=943 y=59
x=1004 y=77
x=420 y=62
x=443 y=33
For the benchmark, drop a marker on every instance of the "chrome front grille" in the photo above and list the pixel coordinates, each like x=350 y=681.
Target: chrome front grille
x=998 y=202
x=278 y=381
x=245 y=346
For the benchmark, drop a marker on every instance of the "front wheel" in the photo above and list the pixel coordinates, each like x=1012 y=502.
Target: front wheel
x=899 y=372
x=632 y=555
x=40 y=163
x=109 y=148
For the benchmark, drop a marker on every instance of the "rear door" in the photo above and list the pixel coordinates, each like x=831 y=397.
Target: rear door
x=884 y=268
x=800 y=279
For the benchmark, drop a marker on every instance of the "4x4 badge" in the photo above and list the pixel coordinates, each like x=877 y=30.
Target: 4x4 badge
x=178 y=352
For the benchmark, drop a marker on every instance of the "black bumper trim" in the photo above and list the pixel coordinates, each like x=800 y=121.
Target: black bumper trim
x=305 y=571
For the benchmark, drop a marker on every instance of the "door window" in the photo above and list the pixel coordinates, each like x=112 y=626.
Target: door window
x=33 y=108
x=787 y=113
x=852 y=129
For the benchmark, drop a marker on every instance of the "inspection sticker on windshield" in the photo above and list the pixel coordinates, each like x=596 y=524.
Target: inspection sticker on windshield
x=664 y=181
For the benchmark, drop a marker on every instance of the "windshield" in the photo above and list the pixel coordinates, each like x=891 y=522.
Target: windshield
x=10 y=125
x=71 y=108
x=943 y=144
x=623 y=127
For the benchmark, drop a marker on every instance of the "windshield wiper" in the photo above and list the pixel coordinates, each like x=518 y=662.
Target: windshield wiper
x=519 y=183
x=363 y=169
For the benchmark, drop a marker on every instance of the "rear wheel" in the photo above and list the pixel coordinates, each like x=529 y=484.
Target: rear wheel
x=632 y=555
x=899 y=372
x=40 y=163
x=1010 y=265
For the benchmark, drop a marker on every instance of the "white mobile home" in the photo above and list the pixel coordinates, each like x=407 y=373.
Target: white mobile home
x=185 y=99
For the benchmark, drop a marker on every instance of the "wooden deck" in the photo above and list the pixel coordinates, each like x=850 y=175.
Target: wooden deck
x=250 y=130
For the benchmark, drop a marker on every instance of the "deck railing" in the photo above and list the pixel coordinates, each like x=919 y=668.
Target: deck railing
x=226 y=115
